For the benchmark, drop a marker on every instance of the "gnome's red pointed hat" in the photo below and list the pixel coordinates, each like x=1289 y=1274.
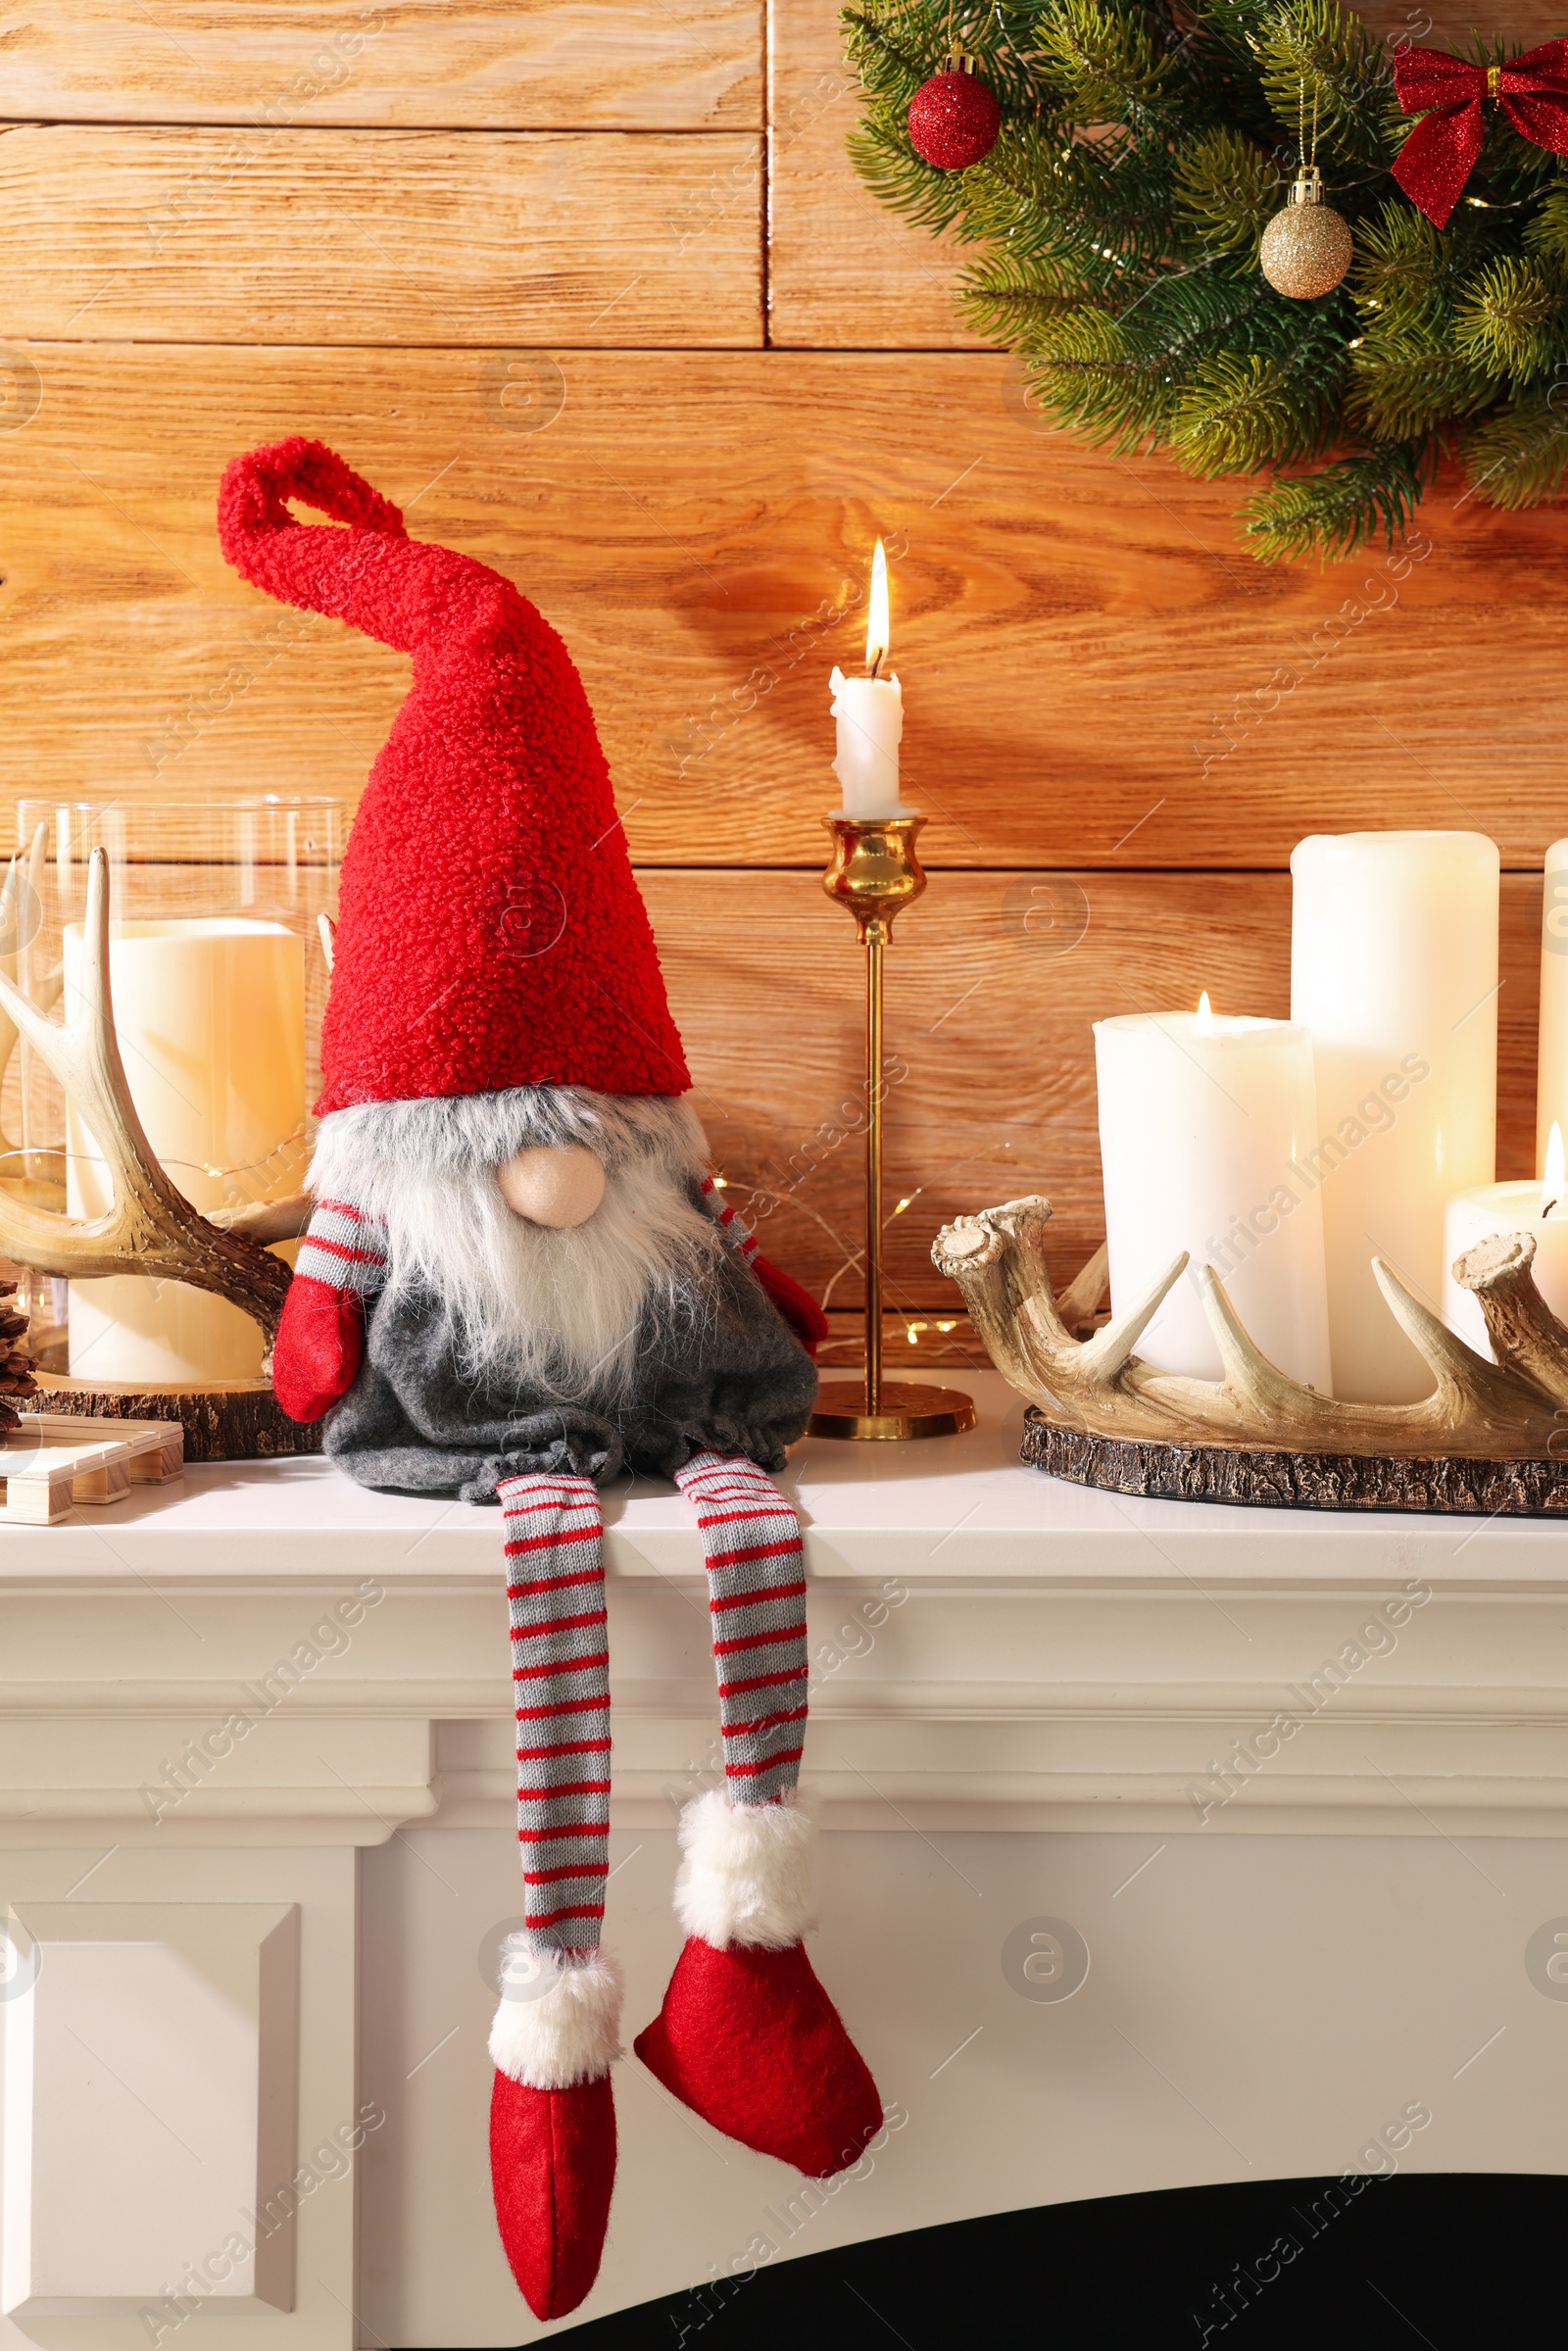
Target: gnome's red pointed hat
x=491 y=933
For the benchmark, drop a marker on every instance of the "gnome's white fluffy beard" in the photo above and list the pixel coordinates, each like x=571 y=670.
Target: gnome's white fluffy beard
x=555 y=1310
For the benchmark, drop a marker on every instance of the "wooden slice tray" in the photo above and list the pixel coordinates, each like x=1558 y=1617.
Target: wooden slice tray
x=243 y=1422
x=1448 y=1483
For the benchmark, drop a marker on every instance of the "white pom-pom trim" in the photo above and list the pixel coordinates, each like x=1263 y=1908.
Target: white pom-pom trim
x=558 y=2022
x=747 y=1873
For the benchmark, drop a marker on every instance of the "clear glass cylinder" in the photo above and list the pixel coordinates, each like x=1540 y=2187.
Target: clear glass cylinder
x=219 y=978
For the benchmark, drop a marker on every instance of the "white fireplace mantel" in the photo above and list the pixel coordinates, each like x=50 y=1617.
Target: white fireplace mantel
x=1297 y=1779
x=992 y=1647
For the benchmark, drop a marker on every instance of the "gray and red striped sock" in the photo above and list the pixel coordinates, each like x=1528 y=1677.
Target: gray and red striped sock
x=343 y=1247
x=757 y=1603
x=561 y=1683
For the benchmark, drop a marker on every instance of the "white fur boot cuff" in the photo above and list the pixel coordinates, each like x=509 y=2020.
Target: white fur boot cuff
x=558 y=2022
x=747 y=1873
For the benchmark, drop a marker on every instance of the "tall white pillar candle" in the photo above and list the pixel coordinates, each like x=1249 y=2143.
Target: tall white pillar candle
x=1201 y=1117
x=210 y=1016
x=1551 y=1060
x=1393 y=968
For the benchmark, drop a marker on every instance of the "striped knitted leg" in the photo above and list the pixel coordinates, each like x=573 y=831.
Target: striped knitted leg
x=560 y=1680
x=556 y=2031
x=747 y=2037
x=757 y=1604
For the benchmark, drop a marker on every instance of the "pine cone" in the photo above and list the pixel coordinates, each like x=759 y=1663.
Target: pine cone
x=17 y=1366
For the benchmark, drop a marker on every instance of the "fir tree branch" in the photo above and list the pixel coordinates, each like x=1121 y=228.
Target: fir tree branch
x=1238 y=414
x=1518 y=456
x=1508 y=319
x=1104 y=61
x=1315 y=48
x=1226 y=189
x=1341 y=505
x=1398 y=393
x=1091 y=377
x=1547 y=232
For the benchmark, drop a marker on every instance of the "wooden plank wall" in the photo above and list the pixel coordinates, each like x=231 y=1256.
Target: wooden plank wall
x=589 y=286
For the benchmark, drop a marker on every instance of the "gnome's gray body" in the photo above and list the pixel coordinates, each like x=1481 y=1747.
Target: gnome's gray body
x=735 y=1380
x=693 y=1356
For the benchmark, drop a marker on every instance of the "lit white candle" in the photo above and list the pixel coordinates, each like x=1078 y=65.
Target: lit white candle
x=1551 y=1060
x=1200 y=1119
x=871 y=716
x=1537 y=1207
x=1393 y=968
x=210 y=1016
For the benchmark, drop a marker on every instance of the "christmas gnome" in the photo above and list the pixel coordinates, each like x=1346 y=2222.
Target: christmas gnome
x=519 y=1280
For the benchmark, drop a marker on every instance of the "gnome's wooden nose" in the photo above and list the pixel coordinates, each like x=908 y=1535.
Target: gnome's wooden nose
x=558 y=1185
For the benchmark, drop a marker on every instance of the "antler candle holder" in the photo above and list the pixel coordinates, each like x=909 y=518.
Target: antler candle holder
x=875 y=873
x=1492 y=1437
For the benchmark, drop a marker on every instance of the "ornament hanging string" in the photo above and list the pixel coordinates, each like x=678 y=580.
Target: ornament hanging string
x=1303 y=161
x=1442 y=151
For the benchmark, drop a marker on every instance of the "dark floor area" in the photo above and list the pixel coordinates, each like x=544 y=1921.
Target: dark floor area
x=1454 y=2261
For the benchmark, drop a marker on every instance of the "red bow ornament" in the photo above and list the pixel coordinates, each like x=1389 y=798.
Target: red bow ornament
x=1439 y=154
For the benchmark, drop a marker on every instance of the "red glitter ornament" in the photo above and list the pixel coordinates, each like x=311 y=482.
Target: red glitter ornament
x=953 y=118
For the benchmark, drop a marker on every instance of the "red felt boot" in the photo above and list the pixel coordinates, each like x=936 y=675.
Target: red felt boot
x=747 y=2037
x=553 y=2122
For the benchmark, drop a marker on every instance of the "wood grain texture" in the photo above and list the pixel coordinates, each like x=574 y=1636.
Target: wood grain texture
x=843 y=271
x=629 y=64
x=382 y=236
x=1092 y=674
x=990 y=1016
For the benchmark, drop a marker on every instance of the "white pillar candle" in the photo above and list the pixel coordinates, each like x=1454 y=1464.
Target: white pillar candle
x=210 y=1016
x=1200 y=1118
x=1503 y=1208
x=1551 y=1060
x=1393 y=968
x=871 y=716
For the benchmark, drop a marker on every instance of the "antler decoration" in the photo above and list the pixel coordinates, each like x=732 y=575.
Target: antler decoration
x=1507 y=1410
x=149 y=1227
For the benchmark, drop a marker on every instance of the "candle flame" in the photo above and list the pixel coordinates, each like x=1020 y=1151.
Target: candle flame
x=877 y=633
x=1206 y=1015
x=1552 y=1185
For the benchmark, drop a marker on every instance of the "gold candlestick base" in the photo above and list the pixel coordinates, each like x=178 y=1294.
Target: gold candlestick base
x=874 y=873
x=904 y=1409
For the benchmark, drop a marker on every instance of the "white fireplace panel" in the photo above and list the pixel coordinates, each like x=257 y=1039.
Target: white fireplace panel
x=150 y=2098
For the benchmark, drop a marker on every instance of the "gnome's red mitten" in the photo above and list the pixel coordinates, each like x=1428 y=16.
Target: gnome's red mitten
x=320 y=1347
x=321 y=1338
x=553 y=2119
x=747 y=2037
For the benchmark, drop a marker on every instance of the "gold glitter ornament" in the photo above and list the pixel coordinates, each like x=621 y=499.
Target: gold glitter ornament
x=1306 y=248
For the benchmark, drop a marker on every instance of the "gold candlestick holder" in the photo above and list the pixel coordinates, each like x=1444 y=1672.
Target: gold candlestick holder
x=874 y=872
